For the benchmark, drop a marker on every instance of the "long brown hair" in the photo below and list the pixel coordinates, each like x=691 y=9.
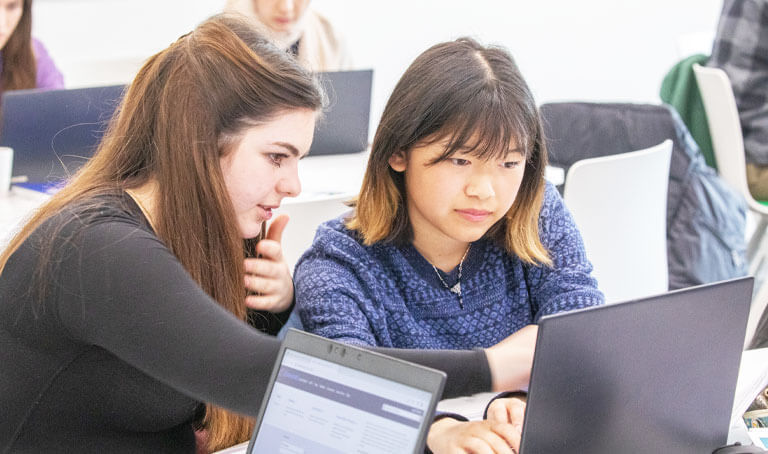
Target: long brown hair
x=181 y=113
x=19 y=67
x=475 y=97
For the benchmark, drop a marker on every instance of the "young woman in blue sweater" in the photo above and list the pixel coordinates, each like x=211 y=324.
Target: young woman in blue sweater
x=455 y=241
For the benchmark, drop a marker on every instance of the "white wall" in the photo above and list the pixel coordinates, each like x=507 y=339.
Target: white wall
x=604 y=50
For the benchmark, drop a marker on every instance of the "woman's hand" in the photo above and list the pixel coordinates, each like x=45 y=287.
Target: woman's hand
x=449 y=436
x=268 y=276
x=510 y=360
x=510 y=410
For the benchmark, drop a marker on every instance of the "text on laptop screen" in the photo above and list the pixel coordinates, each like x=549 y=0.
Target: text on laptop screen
x=317 y=406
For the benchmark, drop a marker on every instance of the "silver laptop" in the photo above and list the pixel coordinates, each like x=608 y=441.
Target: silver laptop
x=655 y=375
x=325 y=397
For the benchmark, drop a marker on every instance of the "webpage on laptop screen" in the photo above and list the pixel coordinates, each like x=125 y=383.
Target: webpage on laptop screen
x=320 y=407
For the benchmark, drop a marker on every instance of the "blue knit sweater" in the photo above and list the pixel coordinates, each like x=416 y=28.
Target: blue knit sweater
x=390 y=295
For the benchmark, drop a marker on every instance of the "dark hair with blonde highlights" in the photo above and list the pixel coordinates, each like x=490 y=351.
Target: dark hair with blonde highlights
x=180 y=114
x=474 y=97
x=19 y=66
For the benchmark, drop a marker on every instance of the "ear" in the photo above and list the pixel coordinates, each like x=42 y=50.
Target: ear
x=398 y=161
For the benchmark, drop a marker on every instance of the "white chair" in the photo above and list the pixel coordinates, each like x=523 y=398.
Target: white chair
x=619 y=203
x=728 y=145
x=305 y=216
x=759 y=306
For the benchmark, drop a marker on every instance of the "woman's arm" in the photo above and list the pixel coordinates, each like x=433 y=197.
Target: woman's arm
x=333 y=293
x=48 y=75
x=124 y=291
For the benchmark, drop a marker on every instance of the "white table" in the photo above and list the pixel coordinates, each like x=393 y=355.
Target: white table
x=322 y=177
x=15 y=207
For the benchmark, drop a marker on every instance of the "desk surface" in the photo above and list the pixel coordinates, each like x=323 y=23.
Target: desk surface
x=321 y=177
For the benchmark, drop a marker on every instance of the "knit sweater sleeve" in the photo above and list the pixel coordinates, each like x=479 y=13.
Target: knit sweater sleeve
x=333 y=296
x=568 y=283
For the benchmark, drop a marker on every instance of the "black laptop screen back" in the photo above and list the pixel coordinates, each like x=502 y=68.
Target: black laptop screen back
x=651 y=376
x=343 y=128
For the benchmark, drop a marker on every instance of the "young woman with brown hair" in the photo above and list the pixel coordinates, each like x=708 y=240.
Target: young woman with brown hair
x=24 y=62
x=456 y=240
x=123 y=299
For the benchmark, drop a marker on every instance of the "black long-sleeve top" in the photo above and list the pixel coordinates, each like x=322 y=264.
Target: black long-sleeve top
x=125 y=346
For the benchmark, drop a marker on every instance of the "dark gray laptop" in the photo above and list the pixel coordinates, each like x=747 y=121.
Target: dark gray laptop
x=656 y=375
x=343 y=127
x=53 y=133
x=325 y=397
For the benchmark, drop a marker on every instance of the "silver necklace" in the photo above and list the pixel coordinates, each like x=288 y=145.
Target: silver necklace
x=456 y=289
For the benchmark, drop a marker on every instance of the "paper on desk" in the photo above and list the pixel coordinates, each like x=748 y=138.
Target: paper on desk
x=753 y=378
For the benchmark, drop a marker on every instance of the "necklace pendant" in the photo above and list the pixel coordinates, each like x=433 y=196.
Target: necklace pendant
x=456 y=289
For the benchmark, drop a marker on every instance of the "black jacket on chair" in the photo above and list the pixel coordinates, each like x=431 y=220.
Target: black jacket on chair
x=705 y=217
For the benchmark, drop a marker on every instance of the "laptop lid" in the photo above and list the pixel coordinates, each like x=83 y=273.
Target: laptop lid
x=343 y=127
x=654 y=375
x=326 y=397
x=53 y=133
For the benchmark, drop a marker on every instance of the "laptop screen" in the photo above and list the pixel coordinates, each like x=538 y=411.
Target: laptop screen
x=653 y=375
x=322 y=407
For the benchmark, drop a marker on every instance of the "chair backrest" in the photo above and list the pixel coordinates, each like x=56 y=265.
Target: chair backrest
x=305 y=217
x=619 y=204
x=724 y=126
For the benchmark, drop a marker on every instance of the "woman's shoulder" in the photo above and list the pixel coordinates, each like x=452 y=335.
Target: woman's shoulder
x=39 y=48
x=552 y=206
x=317 y=22
x=48 y=75
x=552 y=197
x=334 y=233
x=91 y=211
x=555 y=221
x=334 y=240
x=323 y=47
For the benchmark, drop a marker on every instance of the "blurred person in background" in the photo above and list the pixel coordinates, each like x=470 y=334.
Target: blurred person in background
x=24 y=62
x=300 y=30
